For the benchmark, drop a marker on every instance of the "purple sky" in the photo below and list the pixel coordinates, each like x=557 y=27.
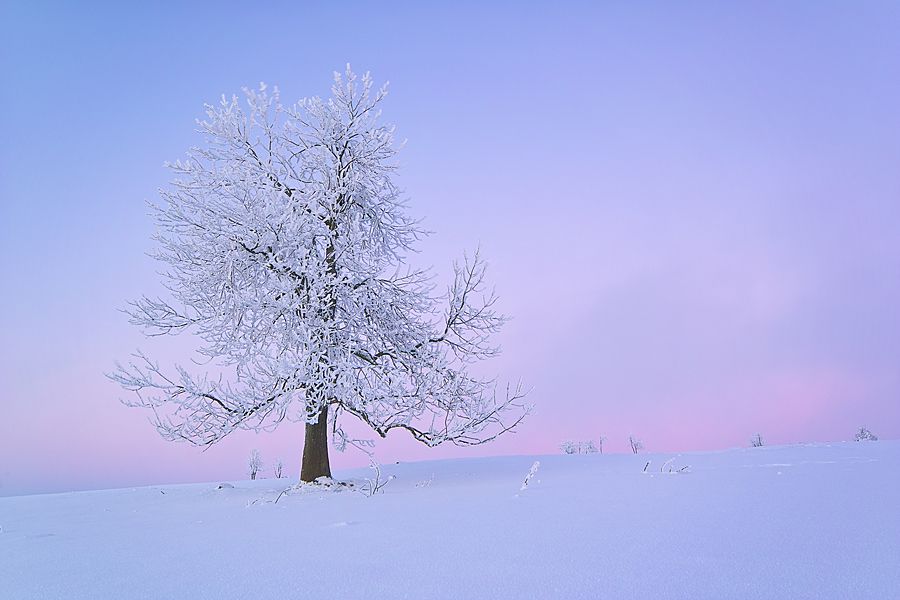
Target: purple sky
x=691 y=210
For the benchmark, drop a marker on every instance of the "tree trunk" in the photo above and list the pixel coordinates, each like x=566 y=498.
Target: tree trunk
x=315 y=449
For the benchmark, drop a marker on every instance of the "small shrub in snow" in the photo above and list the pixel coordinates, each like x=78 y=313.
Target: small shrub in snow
x=636 y=445
x=864 y=435
x=756 y=440
x=671 y=470
x=600 y=444
x=278 y=466
x=570 y=447
x=531 y=473
x=254 y=463
x=373 y=486
x=321 y=485
x=662 y=469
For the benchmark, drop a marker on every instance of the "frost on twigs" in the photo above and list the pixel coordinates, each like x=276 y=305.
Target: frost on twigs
x=531 y=474
x=671 y=470
x=283 y=241
x=662 y=469
x=636 y=444
x=320 y=485
x=864 y=435
x=570 y=447
x=369 y=487
x=375 y=484
x=756 y=440
x=254 y=463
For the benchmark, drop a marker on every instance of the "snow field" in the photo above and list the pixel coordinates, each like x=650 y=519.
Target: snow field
x=803 y=521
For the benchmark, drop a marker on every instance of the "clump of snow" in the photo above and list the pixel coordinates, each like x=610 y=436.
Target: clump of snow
x=804 y=521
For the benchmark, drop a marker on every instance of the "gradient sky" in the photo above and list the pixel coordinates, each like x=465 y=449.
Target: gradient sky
x=691 y=210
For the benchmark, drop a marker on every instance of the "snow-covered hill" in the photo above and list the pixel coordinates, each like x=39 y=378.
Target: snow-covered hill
x=803 y=521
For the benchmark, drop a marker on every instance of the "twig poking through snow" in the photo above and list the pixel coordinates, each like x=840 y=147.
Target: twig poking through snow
x=531 y=473
x=373 y=486
x=662 y=469
x=426 y=483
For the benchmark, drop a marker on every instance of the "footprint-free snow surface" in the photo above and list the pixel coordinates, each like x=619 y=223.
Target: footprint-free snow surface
x=803 y=521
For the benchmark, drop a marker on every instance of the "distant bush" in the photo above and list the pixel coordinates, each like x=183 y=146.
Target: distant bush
x=570 y=447
x=864 y=435
x=756 y=440
x=254 y=463
x=278 y=467
x=636 y=445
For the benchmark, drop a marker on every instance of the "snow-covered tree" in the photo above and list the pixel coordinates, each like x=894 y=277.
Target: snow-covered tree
x=864 y=435
x=756 y=440
x=636 y=444
x=284 y=239
x=254 y=463
x=278 y=466
x=570 y=447
x=600 y=441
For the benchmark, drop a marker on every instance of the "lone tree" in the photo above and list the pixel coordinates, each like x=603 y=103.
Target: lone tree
x=284 y=237
x=864 y=435
x=636 y=444
x=254 y=463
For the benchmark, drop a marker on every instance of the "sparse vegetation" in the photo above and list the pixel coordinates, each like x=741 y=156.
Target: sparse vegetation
x=254 y=463
x=375 y=485
x=756 y=440
x=636 y=444
x=672 y=470
x=570 y=447
x=531 y=474
x=864 y=435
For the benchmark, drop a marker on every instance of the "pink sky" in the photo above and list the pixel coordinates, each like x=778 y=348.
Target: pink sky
x=692 y=212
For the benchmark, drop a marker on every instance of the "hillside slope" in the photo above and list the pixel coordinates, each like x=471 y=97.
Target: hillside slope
x=802 y=521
